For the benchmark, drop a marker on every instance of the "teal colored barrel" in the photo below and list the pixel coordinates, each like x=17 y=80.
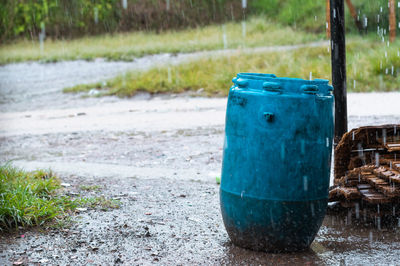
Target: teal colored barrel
x=276 y=162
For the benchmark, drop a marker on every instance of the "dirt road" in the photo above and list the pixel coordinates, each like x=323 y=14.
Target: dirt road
x=159 y=156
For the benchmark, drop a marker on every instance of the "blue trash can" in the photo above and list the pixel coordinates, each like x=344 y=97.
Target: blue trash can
x=276 y=162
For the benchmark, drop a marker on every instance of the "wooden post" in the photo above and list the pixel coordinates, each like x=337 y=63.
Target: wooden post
x=353 y=13
x=328 y=19
x=338 y=59
x=392 y=20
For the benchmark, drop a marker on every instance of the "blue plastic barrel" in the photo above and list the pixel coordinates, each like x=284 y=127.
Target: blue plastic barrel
x=276 y=162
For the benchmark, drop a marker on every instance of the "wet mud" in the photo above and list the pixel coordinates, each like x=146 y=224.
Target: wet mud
x=160 y=158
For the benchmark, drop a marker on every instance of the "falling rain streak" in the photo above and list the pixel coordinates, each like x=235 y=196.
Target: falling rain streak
x=42 y=36
x=124 y=4
x=96 y=15
x=305 y=183
x=244 y=4
x=224 y=37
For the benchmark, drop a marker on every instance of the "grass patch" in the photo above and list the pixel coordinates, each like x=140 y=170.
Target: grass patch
x=126 y=46
x=372 y=66
x=29 y=198
x=90 y=187
x=101 y=203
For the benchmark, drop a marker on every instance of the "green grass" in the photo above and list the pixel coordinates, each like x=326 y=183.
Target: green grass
x=33 y=198
x=29 y=198
x=213 y=75
x=127 y=46
x=100 y=203
x=90 y=187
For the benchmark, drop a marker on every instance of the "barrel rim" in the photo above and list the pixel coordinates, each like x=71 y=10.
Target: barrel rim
x=273 y=77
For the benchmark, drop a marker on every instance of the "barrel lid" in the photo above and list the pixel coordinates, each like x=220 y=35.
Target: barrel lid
x=273 y=84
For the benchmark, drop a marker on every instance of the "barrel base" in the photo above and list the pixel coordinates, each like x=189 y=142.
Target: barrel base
x=269 y=225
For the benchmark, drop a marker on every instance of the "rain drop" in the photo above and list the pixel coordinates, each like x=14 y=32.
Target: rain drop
x=377 y=162
x=42 y=36
x=244 y=4
x=124 y=4
x=305 y=183
x=360 y=150
x=244 y=29
x=348 y=220
x=384 y=136
x=224 y=37
x=283 y=151
x=357 y=209
x=96 y=15
x=312 y=210
x=378 y=222
x=167 y=6
x=365 y=22
x=303 y=146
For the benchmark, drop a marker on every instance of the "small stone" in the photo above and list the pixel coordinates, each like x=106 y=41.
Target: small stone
x=65 y=184
x=18 y=262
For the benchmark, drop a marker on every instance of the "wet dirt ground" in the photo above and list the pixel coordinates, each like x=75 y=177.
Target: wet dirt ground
x=159 y=156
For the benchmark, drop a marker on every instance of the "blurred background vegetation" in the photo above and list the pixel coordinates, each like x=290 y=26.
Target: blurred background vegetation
x=75 y=18
x=53 y=30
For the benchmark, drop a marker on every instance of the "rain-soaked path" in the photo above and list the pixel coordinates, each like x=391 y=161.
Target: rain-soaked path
x=159 y=157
